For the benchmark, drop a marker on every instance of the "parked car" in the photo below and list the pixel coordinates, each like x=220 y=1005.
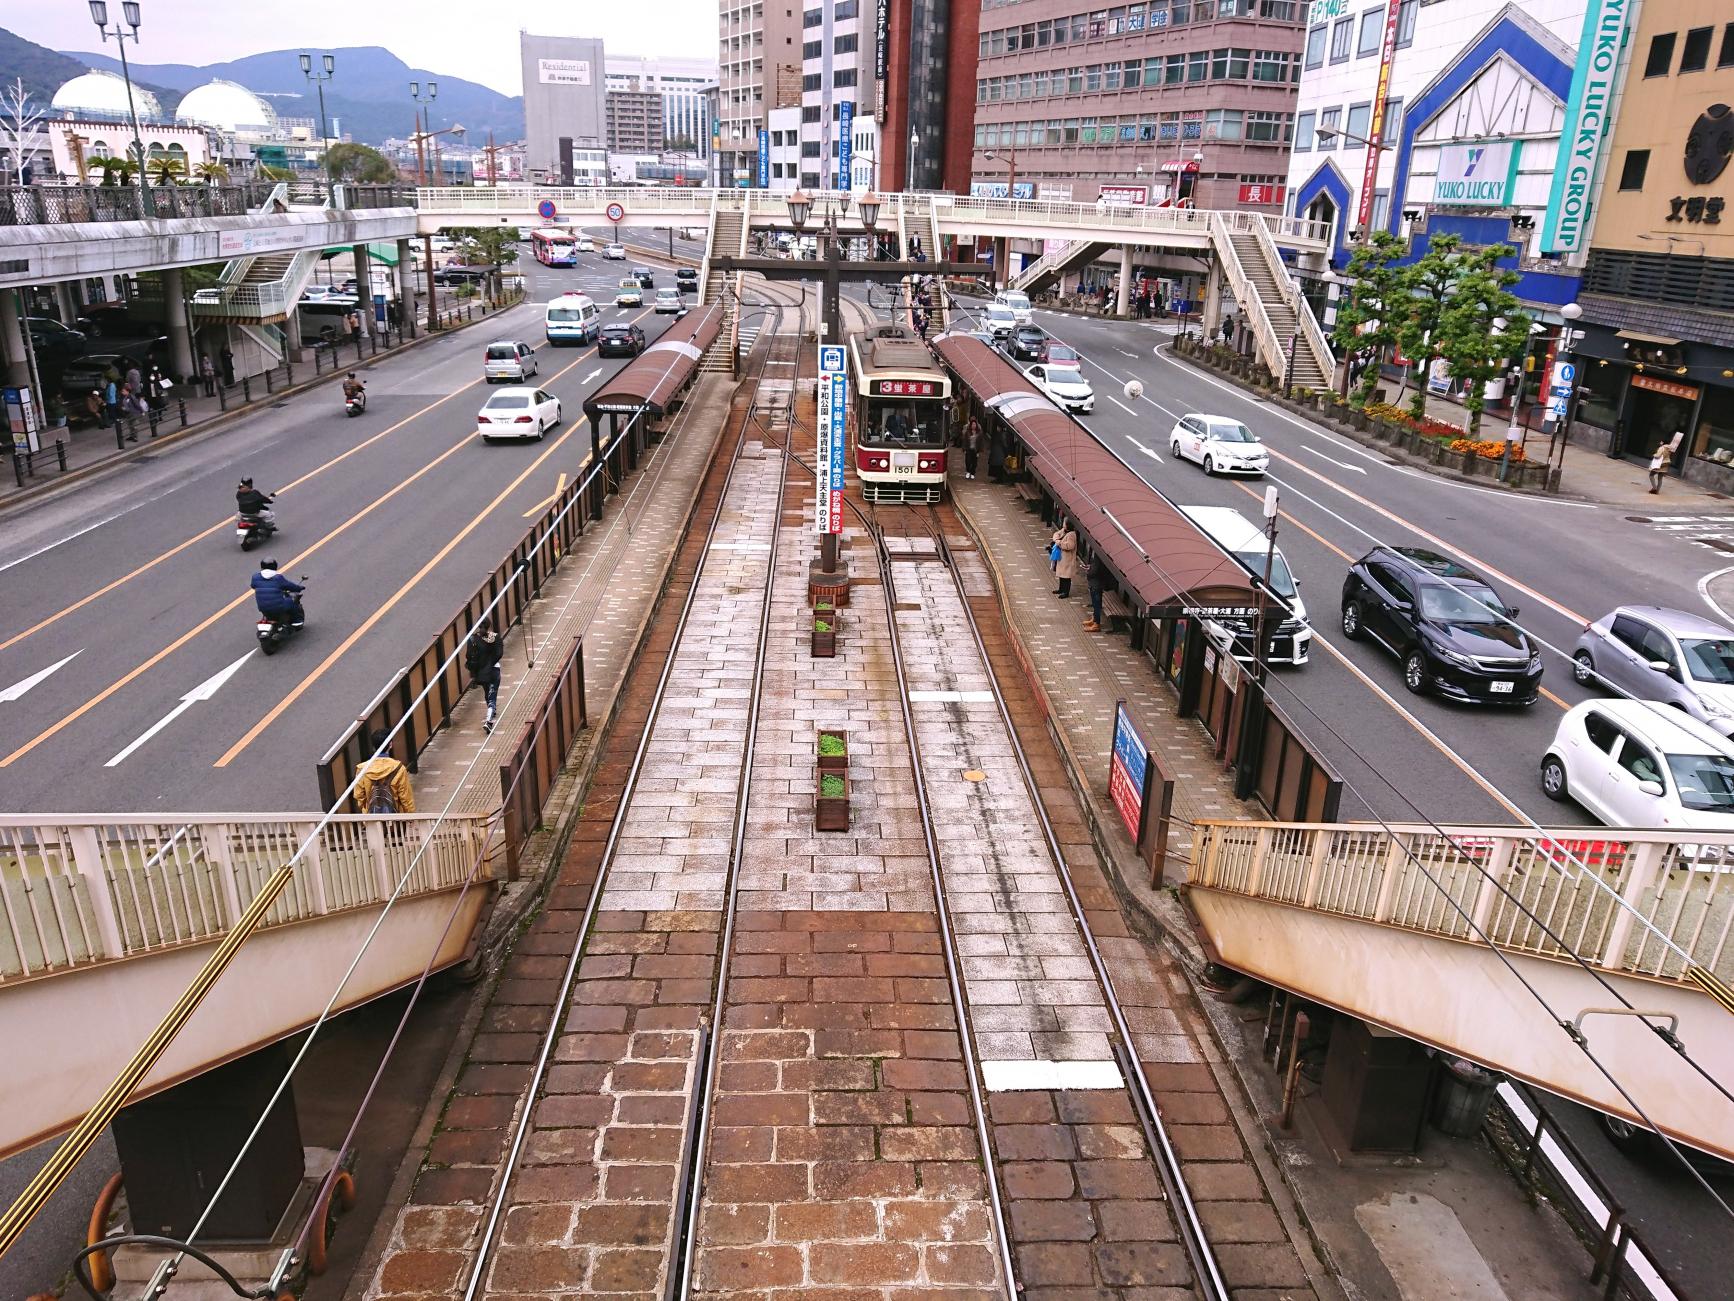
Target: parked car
x=1653 y=653
x=53 y=341
x=1635 y=763
x=122 y=320
x=520 y=412
x=1221 y=444
x=644 y=277
x=998 y=321
x=1017 y=301
x=462 y=275
x=89 y=372
x=586 y=244
x=620 y=339
x=509 y=360
x=615 y=252
x=668 y=300
x=1025 y=342
x=686 y=279
x=1452 y=632
x=629 y=294
x=1066 y=385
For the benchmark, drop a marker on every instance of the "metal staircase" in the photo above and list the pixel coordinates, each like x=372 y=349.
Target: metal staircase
x=1273 y=304
x=1051 y=266
x=730 y=230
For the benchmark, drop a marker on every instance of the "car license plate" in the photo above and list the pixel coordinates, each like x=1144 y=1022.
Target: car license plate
x=1500 y=688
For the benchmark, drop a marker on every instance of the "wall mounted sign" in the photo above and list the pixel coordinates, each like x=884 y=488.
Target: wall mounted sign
x=1477 y=175
x=1705 y=209
x=1709 y=143
x=563 y=72
x=1667 y=386
x=1586 y=124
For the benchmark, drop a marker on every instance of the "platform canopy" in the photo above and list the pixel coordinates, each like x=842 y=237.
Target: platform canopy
x=651 y=380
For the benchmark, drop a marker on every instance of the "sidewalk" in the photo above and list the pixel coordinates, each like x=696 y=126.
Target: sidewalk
x=1398 y=1229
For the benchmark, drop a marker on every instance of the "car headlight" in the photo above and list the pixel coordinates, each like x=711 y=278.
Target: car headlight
x=1535 y=663
x=1451 y=656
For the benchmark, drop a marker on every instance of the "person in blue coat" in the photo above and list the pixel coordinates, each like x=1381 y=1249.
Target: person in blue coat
x=277 y=597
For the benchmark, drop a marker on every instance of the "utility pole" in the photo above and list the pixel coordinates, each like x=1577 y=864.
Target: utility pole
x=1252 y=707
x=1514 y=432
x=421 y=140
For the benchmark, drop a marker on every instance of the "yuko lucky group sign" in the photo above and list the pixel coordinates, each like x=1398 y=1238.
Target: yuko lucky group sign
x=833 y=439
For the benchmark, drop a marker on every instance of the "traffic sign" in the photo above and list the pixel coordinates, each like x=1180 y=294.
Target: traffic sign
x=546 y=209
x=614 y=212
x=833 y=440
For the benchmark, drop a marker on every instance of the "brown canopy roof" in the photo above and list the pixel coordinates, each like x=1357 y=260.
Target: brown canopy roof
x=662 y=370
x=1163 y=556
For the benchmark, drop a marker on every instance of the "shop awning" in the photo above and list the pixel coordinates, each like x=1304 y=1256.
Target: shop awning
x=1166 y=561
x=654 y=377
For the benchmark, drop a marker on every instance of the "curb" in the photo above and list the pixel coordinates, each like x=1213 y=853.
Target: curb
x=216 y=424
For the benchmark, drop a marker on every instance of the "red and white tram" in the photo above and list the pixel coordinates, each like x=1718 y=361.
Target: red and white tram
x=902 y=401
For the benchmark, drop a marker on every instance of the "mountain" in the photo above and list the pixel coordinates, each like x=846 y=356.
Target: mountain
x=44 y=71
x=369 y=95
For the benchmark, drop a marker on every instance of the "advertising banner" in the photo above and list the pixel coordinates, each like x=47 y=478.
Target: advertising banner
x=764 y=159
x=881 y=25
x=833 y=440
x=1259 y=195
x=1129 y=773
x=997 y=190
x=845 y=143
x=1586 y=123
x=563 y=72
x=1478 y=175
x=1381 y=95
x=1126 y=196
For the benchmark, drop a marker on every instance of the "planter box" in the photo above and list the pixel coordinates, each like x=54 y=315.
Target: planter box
x=830 y=812
x=833 y=762
x=825 y=641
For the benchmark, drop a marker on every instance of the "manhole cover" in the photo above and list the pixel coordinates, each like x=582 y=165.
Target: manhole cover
x=275 y=406
x=1720 y=544
x=975 y=775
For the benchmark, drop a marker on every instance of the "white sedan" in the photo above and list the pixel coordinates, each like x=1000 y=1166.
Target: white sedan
x=1220 y=444
x=1066 y=385
x=518 y=412
x=587 y=245
x=615 y=252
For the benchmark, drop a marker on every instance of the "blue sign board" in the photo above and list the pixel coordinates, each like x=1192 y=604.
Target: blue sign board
x=1129 y=773
x=764 y=159
x=845 y=143
x=545 y=209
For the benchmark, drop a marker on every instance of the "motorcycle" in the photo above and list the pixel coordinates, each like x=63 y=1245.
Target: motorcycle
x=355 y=404
x=252 y=530
x=275 y=629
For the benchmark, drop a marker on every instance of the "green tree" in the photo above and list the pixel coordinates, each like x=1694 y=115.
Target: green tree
x=359 y=164
x=1474 y=347
x=1428 y=281
x=1372 y=315
x=488 y=247
x=117 y=171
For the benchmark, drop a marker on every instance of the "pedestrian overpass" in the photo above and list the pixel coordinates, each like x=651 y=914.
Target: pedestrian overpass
x=1523 y=950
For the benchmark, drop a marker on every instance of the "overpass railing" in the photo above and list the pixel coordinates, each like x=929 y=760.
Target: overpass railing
x=56 y=205
x=521 y=200
x=1626 y=901
x=76 y=891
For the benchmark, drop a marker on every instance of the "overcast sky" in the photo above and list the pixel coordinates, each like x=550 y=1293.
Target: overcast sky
x=443 y=36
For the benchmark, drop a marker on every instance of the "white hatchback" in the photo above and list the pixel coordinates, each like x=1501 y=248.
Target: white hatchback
x=1221 y=444
x=1637 y=763
x=586 y=244
x=615 y=252
x=520 y=412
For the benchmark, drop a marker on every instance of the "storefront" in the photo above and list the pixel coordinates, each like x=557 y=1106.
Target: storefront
x=1644 y=391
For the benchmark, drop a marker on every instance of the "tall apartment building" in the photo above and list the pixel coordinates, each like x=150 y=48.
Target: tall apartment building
x=758 y=69
x=681 y=86
x=565 y=108
x=1144 y=103
x=634 y=122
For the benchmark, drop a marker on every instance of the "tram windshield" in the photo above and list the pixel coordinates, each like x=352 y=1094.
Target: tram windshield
x=906 y=424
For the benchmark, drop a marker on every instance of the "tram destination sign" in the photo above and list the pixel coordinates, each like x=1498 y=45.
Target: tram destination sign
x=833 y=440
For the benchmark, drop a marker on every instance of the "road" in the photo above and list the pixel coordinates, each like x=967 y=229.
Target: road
x=1560 y=562
x=128 y=595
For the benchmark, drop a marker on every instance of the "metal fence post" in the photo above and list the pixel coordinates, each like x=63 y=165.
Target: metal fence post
x=222 y=397
x=87 y=860
x=246 y=389
x=267 y=380
x=181 y=403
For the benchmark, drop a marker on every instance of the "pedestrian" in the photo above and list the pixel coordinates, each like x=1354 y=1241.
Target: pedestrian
x=382 y=785
x=996 y=453
x=94 y=407
x=482 y=658
x=208 y=374
x=971 y=446
x=226 y=360
x=1096 y=577
x=1101 y=204
x=1658 y=467
x=1065 y=554
x=921 y=325
x=158 y=385
x=134 y=378
x=111 y=398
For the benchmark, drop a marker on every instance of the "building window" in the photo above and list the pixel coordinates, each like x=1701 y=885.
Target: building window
x=1406 y=23
x=1328 y=119
x=1381 y=209
x=843 y=77
x=1695 y=53
x=1223 y=124
x=1360 y=118
x=809 y=113
x=1372 y=33
x=813 y=18
x=1266 y=128
x=1661 y=55
x=812 y=49
x=1342 y=33
x=809 y=148
x=1393 y=119
x=1174 y=71
x=1632 y=171
x=1198 y=65
x=1269 y=65
x=1303 y=132
x=848 y=43
x=1316 y=47
x=812 y=81
x=1283 y=11
x=1726 y=58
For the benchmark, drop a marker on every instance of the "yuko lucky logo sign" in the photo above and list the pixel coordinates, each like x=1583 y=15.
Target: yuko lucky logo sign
x=833 y=440
x=1478 y=175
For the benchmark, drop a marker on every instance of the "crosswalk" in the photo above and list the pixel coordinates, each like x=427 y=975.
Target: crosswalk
x=1713 y=531
x=749 y=336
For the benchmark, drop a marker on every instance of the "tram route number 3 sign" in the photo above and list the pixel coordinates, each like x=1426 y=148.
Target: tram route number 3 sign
x=833 y=439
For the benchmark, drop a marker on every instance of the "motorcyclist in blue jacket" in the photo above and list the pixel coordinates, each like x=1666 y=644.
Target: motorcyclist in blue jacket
x=278 y=598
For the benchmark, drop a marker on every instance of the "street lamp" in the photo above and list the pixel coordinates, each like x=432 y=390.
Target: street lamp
x=319 y=79
x=914 y=147
x=1011 y=162
x=130 y=12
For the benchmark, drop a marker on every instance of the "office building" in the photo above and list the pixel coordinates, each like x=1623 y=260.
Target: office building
x=1162 y=102
x=565 y=104
x=682 y=86
x=758 y=69
x=926 y=62
x=837 y=88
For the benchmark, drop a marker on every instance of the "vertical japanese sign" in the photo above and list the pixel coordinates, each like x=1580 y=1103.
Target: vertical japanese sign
x=1129 y=774
x=833 y=440
x=764 y=159
x=1376 y=131
x=1586 y=122
x=881 y=30
x=845 y=144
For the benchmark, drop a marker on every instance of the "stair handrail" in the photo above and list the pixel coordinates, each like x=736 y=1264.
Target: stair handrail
x=709 y=247
x=1045 y=263
x=1309 y=330
x=1246 y=293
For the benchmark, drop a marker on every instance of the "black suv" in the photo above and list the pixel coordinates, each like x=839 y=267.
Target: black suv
x=686 y=278
x=620 y=340
x=1452 y=632
x=1027 y=342
x=644 y=277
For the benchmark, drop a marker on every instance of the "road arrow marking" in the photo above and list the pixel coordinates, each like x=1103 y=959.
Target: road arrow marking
x=20 y=689
x=592 y=375
x=539 y=507
x=204 y=691
x=1148 y=451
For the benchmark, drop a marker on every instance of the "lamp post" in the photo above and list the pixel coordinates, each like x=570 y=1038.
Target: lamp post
x=1569 y=339
x=433 y=90
x=1513 y=432
x=130 y=13
x=319 y=79
x=914 y=148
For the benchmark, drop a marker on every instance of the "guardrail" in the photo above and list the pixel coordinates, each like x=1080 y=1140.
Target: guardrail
x=533 y=763
x=75 y=891
x=40 y=205
x=1515 y=886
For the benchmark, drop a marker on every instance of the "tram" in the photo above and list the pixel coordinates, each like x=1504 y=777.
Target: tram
x=902 y=398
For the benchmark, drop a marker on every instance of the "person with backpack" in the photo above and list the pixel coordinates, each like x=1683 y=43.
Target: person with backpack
x=482 y=658
x=383 y=784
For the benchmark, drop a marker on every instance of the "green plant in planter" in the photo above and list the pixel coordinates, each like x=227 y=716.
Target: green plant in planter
x=830 y=745
x=831 y=787
x=820 y=625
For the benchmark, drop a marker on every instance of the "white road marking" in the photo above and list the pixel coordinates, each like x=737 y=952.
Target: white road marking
x=951 y=697
x=592 y=375
x=1333 y=460
x=1703 y=591
x=1116 y=401
x=88 y=528
x=204 y=691
x=1148 y=451
x=1020 y=1076
x=18 y=690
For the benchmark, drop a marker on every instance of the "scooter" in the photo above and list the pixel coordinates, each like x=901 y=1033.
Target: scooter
x=252 y=530
x=273 y=630
x=354 y=406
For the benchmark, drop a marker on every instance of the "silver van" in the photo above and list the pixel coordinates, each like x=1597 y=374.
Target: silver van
x=1651 y=653
x=509 y=360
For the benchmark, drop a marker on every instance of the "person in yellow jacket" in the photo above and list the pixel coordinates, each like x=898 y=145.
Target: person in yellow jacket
x=383 y=786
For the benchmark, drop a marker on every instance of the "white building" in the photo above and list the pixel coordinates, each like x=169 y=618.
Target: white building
x=836 y=89
x=784 y=125
x=681 y=83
